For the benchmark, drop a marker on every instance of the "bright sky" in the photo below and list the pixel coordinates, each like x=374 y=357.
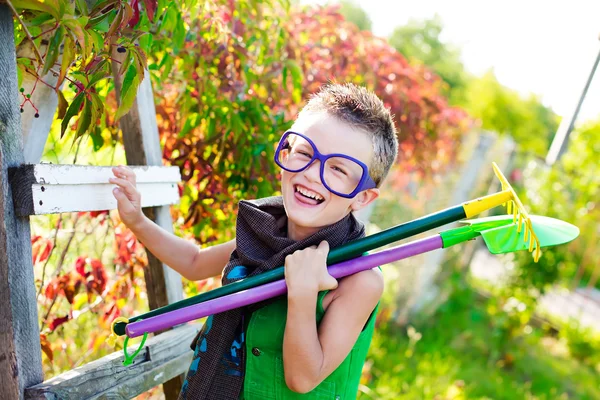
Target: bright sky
x=542 y=47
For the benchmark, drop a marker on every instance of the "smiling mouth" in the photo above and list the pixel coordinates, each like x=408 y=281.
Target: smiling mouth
x=312 y=197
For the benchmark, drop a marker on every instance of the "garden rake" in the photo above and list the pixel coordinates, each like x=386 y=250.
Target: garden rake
x=506 y=197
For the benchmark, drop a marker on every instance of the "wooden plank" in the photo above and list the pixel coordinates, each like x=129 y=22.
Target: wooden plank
x=20 y=354
x=48 y=189
x=164 y=356
x=142 y=147
x=58 y=174
x=52 y=199
x=68 y=174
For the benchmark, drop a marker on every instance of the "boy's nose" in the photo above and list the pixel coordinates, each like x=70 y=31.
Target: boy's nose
x=313 y=171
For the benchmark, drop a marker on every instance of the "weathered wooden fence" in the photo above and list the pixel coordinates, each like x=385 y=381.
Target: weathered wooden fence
x=28 y=188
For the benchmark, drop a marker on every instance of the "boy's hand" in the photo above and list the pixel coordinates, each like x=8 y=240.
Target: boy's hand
x=306 y=270
x=129 y=200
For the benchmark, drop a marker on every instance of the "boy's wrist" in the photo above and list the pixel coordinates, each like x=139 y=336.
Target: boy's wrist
x=138 y=225
x=303 y=294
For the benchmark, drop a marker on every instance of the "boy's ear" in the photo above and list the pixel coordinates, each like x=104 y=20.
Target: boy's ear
x=364 y=198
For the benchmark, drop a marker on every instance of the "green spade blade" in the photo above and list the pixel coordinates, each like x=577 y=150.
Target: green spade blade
x=501 y=236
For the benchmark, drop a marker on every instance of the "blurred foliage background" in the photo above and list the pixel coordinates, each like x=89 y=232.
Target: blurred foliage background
x=228 y=79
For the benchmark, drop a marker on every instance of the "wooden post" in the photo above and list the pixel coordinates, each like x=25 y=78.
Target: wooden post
x=20 y=354
x=142 y=147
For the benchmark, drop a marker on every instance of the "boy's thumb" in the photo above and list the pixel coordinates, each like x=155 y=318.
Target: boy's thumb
x=323 y=246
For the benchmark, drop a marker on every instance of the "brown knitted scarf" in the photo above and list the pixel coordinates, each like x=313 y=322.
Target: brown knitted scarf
x=217 y=369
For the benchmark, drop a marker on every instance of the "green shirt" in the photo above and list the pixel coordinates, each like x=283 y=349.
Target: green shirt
x=265 y=379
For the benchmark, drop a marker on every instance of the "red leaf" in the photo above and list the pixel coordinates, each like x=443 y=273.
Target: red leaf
x=135 y=5
x=99 y=274
x=80 y=266
x=70 y=292
x=56 y=322
x=50 y=291
x=46 y=251
x=150 y=8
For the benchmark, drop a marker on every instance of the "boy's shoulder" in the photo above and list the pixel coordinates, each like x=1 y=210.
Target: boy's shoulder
x=365 y=287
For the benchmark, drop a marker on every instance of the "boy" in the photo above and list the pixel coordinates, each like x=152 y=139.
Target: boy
x=311 y=344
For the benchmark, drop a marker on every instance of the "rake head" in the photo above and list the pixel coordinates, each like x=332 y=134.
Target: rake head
x=520 y=216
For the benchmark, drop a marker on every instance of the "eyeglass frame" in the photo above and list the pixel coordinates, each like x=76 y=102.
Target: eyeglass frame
x=366 y=182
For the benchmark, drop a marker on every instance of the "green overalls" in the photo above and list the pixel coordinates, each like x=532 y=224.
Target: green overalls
x=265 y=379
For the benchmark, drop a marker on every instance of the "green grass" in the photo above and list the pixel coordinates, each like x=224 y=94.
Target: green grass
x=454 y=355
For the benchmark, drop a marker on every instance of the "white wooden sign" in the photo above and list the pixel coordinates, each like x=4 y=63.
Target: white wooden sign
x=48 y=188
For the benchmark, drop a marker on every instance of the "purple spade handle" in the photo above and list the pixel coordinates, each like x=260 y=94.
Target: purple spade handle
x=277 y=288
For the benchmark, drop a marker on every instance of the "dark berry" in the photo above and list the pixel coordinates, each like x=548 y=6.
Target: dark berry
x=22 y=90
x=22 y=109
x=37 y=115
x=28 y=96
x=121 y=49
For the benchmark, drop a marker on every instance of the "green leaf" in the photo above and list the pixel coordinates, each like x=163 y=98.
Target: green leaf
x=97 y=139
x=67 y=59
x=76 y=27
x=85 y=119
x=190 y=123
x=79 y=75
x=170 y=19
x=36 y=5
x=101 y=23
x=128 y=91
x=117 y=22
x=62 y=105
x=146 y=42
x=99 y=67
x=167 y=67
x=98 y=7
x=179 y=35
x=82 y=7
x=40 y=19
x=71 y=111
x=97 y=40
x=297 y=78
x=139 y=61
x=125 y=63
x=96 y=77
x=53 y=49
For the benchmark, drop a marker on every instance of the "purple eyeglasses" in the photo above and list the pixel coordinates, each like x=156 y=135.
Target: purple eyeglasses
x=341 y=174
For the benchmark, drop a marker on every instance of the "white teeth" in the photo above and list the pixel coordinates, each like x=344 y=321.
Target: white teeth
x=309 y=193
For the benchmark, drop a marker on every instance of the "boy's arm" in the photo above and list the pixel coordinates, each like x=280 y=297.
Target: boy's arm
x=310 y=355
x=180 y=254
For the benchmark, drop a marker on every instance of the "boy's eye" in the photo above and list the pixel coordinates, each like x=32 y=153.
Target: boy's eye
x=302 y=152
x=338 y=169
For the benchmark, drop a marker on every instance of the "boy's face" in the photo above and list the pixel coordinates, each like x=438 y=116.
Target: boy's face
x=330 y=135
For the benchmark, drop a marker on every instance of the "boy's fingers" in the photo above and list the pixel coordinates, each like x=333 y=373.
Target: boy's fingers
x=323 y=247
x=125 y=185
x=122 y=200
x=330 y=282
x=125 y=172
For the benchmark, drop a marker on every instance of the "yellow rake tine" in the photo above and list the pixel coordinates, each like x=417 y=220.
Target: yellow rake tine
x=517 y=207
